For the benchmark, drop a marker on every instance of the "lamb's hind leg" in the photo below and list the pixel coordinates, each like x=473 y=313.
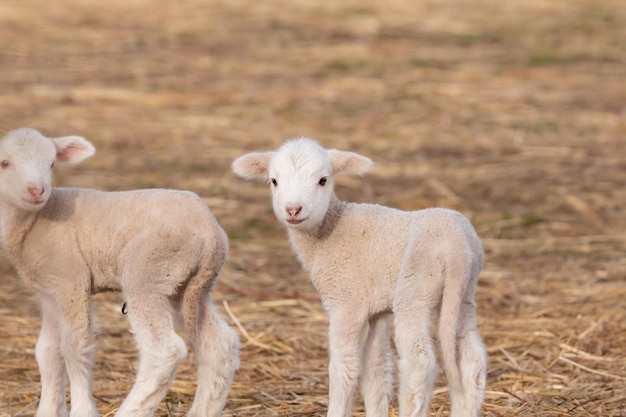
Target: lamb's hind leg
x=377 y=377
x=467 y=400
x=160 y=352
x=418 y=363
x=217 y=351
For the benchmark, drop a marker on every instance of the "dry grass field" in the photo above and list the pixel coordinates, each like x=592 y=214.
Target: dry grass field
x=512 y=112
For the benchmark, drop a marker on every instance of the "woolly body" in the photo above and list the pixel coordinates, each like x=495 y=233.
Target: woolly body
x=162 y=248
x=385 y=246
x=367 y=261
x=98 y=236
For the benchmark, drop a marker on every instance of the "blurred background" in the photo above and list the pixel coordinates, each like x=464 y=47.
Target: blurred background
x=513 y=113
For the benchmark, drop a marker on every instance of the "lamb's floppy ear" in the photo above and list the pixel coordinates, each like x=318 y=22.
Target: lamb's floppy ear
x=253 y=166
x=72 y=150
x=343 y=162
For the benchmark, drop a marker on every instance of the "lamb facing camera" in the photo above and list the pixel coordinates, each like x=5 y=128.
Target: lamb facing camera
x=163 y=249
x=370 y=264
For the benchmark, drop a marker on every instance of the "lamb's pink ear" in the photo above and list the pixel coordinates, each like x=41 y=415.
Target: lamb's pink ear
x=343 y=162
x=72 y=150
x=253 y=166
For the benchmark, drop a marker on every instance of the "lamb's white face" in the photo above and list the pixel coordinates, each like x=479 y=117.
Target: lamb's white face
x=302 y=184
x=302 y=177
x=26 y=161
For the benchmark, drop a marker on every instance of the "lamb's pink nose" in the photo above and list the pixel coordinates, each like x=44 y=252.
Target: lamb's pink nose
x=35 y=191
x=293 y=212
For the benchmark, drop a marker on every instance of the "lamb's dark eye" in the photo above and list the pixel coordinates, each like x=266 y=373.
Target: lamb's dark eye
x=322 y=181
x=5 y=164
x=52 y=165
x=274 y=182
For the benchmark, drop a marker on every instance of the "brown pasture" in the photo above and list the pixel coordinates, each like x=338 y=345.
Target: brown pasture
x=512 y=112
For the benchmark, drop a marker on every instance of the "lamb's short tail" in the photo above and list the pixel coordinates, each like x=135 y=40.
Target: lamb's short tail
x=458 y=277
x=199 y=286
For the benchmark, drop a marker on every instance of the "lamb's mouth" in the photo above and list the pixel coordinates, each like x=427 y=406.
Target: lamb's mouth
x=295 y=221
x=34 y=202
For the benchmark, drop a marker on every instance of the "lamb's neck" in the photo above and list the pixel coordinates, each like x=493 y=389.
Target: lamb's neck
x=325 y=228
x=14 y=227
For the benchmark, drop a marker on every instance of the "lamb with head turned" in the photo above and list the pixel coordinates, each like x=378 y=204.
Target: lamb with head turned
x=370 y=264
x=163 y=249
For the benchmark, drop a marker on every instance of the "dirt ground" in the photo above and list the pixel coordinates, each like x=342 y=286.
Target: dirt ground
x=513 y=113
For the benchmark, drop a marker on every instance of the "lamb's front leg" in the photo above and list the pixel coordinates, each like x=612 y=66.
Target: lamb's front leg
x=346 y=339
x=51 y=364
x=77 y=348
x=377 y=376
x=68 y=314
